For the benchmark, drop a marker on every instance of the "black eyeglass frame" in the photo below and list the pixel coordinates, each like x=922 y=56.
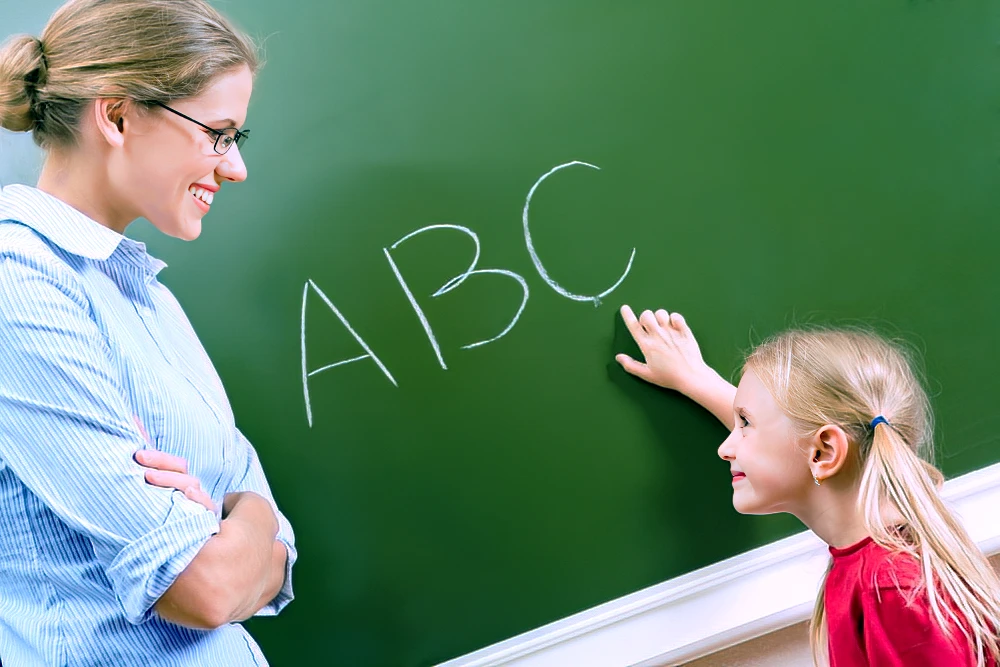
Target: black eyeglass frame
x=238 y=138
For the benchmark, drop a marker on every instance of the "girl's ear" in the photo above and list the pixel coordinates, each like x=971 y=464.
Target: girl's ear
x=829 y=452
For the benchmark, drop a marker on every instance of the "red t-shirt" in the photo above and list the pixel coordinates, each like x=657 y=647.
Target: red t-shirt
x=868 y=621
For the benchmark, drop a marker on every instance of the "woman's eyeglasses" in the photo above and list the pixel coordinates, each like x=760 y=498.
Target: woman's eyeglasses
x=224 y=139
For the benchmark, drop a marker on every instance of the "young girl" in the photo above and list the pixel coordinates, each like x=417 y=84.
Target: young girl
x=834 y=427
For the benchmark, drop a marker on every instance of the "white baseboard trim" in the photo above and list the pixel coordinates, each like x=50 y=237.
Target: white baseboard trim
x=718 y=606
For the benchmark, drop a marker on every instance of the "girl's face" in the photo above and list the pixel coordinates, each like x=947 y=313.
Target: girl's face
x=166 y=156
x=769 y=464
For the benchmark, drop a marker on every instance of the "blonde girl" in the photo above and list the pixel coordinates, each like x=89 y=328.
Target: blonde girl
x=834 y=427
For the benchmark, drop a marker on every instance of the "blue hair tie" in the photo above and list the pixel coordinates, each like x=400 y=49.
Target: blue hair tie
x=879 y=420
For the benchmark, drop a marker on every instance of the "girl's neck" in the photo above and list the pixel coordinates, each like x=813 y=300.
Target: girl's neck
x=831 y=511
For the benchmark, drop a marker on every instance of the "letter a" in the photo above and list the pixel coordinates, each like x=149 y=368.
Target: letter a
x=306 y=373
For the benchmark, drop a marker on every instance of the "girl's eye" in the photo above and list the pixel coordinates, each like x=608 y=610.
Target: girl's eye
x=743 y=422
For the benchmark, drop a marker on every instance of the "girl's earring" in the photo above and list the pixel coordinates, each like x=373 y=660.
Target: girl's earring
x=816 y=479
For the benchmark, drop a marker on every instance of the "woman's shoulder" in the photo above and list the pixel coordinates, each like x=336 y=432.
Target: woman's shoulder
x=27 y=257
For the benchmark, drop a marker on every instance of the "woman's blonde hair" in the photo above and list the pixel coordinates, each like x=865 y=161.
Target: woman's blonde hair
x=140 y=51
x=847 y=377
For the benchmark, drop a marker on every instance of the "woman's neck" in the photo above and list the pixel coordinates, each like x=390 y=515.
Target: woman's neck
x=83 y=186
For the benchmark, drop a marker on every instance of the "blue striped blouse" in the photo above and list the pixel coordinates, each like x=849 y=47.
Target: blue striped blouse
x=93 y=345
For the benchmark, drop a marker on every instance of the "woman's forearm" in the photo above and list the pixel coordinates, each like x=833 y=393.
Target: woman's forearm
x=231 y=573
x=275 y=580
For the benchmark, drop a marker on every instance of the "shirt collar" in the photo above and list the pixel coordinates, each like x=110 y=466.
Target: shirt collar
x=68 y=228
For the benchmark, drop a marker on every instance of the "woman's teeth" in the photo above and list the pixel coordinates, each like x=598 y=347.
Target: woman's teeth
x=202 y=194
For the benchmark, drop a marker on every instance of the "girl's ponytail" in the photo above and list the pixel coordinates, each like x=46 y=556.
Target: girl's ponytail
x=960 y=584
x=851 y=377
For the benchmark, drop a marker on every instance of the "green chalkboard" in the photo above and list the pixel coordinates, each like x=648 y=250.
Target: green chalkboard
x=769 y=163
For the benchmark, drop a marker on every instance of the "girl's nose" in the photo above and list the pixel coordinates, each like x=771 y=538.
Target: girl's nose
x=727 y=450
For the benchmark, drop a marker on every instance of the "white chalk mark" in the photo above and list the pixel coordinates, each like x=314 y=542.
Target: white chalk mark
x=339 y=363
x=455 y=282
x=534 y=255
x=305 y=369
x=517 y=316
x=369 y=354
x=475 y=260
x=413 y=302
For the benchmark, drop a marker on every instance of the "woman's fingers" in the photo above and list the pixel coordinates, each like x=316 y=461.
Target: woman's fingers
x=187 y=484
x=199 y=496
x=154 y=458
x=171 y=480
x=170 y=472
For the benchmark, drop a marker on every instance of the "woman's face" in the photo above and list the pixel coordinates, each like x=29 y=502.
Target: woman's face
x=167 y=157
x=769 y=464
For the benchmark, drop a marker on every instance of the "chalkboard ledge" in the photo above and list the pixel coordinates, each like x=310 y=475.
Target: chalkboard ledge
x=718 y=606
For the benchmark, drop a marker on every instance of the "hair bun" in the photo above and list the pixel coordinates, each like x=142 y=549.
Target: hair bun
x=23 y=69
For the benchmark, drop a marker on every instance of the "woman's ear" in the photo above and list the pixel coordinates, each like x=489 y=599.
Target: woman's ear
x=109 y=114
x=829 y=452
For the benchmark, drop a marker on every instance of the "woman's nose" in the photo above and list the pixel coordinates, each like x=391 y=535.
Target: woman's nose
x=232 y=167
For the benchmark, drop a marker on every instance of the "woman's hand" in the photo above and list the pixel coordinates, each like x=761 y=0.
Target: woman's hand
x=170 y=472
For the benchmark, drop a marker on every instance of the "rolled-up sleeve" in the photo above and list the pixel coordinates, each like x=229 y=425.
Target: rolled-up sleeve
x=253 y=479
x=66 y=431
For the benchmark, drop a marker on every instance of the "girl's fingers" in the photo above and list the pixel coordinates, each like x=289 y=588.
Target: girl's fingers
x=648 y=322
x=663 y=318
x=636 y=368
x=632 y=323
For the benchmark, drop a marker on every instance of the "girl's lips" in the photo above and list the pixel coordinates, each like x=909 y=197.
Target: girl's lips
x=738 y=476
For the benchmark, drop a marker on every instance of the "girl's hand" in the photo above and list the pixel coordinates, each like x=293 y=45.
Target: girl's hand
x=170 y=472
x=671 y=356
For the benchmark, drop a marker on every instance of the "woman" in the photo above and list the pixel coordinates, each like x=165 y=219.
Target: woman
x=136 y=525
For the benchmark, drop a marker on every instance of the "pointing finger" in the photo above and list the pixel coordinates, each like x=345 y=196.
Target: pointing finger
x=632 y=323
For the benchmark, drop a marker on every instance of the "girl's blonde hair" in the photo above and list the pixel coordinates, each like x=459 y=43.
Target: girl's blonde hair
x=140 y=51
x=848 y=377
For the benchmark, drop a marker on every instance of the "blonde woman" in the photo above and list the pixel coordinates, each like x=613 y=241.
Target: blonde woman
x=835 y=428
x=136 y=524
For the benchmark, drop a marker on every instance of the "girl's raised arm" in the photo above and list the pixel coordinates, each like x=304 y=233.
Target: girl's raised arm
x=672 y=359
